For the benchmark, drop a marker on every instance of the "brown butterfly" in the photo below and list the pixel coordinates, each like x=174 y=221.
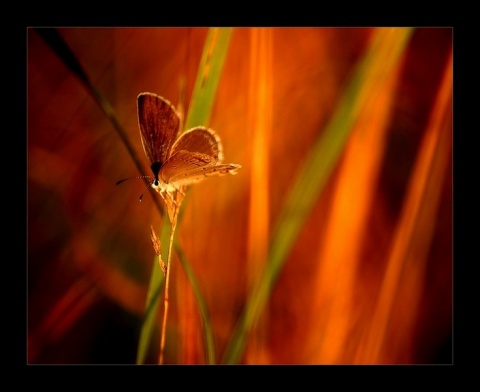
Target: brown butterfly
x=176 y=163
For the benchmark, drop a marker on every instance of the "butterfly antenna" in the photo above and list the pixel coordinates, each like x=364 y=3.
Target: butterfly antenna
x=150 y=183
x=131 y=178
x=137 y=177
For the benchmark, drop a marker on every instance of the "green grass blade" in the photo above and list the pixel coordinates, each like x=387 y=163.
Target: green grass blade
x=208 y=76
x=203 y=96
x=157 y=281
x=378 y=62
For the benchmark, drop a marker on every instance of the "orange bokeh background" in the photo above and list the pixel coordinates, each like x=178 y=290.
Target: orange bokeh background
x=351 y=290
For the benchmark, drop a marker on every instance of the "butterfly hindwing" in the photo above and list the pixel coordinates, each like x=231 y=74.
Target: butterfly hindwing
x=201 y=140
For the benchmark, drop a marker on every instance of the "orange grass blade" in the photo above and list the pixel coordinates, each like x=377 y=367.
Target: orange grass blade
x=334 y=301
x=414 y=230
x=260 y=125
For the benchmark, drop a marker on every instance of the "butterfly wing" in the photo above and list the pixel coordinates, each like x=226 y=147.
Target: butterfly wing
x=159 y=123
x=185 y=167
x=200 y=140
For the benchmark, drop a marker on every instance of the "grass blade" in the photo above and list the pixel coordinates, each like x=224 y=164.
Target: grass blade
x=415 y=228
x=55 y=41
x=208 y=76
x=157 y=281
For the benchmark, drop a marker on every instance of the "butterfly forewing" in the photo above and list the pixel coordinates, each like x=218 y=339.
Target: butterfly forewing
x=201 y=140
x=159 y=123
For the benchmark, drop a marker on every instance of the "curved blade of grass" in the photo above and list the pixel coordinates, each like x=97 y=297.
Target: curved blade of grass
x=63 y=51
x=208 y=76
x=384 y=53
x=55 y=41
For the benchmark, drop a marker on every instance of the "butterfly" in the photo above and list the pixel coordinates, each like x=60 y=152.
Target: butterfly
x=176 y=162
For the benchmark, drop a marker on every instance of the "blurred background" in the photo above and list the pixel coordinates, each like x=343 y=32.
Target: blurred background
x=332 y=244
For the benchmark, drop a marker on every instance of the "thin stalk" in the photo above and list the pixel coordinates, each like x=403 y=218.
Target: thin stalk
x=165 y=299
x=211 y=64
